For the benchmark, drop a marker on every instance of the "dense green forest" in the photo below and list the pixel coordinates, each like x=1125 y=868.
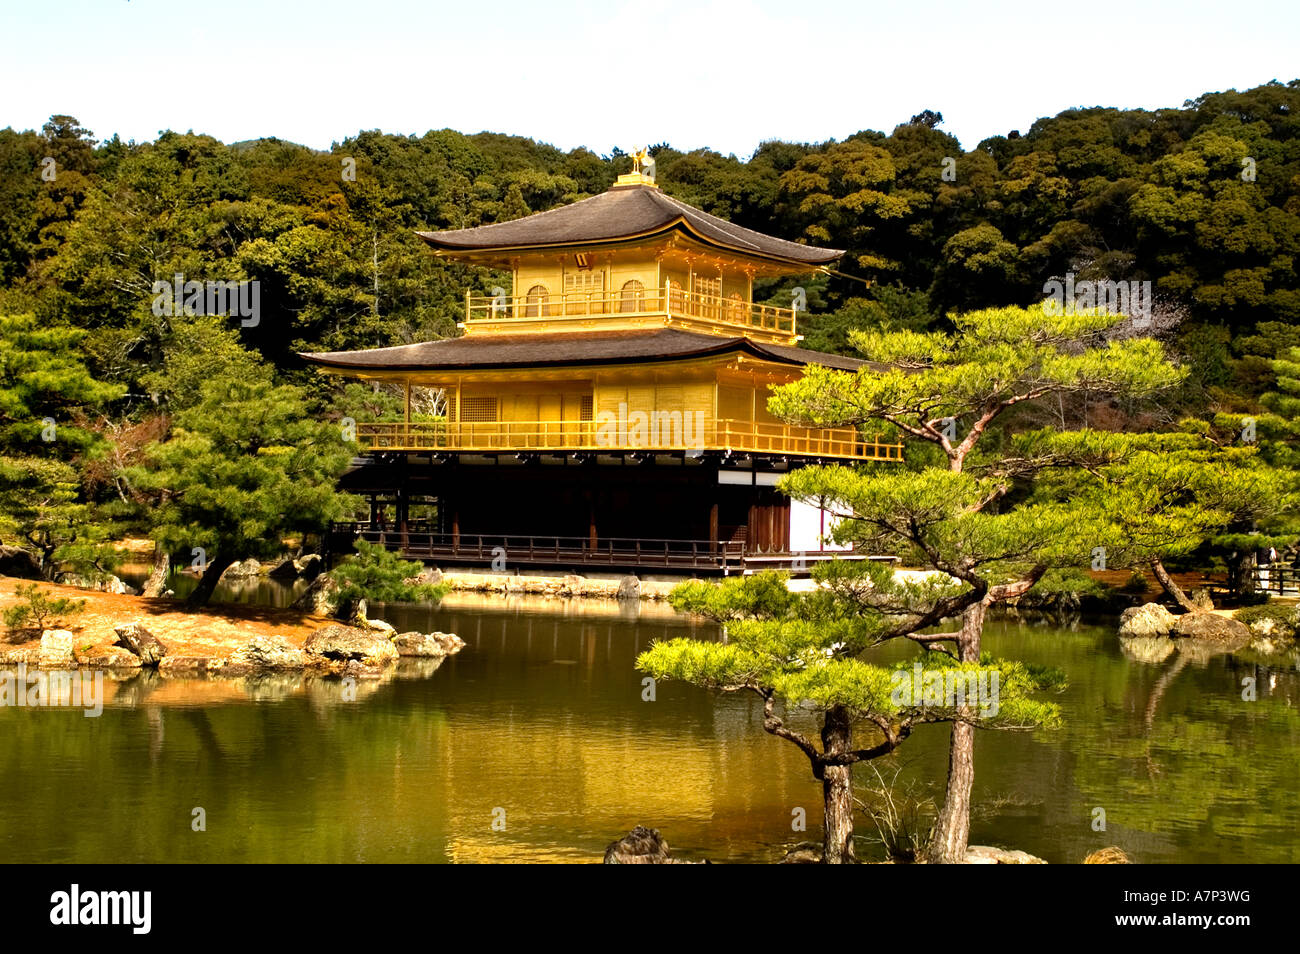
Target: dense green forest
x=108 y=408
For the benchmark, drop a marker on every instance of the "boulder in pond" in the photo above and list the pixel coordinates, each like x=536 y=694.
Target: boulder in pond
x=242 y=570
x=1212 y=627
x=629 y=588
x=286 y=570
x=339 y=643
x=320 y=598
x=146 y=645
x=269 y=652
x=428 y=644
x=311 y=566
x=1149 y=619
x=56 y=651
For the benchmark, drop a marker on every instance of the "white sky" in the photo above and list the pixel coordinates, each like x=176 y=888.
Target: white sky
x=725 y=74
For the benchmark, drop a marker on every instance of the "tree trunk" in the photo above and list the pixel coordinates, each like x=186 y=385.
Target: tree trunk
x=952 y=828
x=157 y=582
x=200 y=595
x=1170 y=587
x=837 y=790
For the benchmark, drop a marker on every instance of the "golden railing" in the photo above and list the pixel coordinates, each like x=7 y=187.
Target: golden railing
x=667 y=301
x=663 y=432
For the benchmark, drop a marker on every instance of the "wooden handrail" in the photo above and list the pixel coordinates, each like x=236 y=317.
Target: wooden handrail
x=664 y=432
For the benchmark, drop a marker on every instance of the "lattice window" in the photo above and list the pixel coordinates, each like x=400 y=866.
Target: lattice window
x=586 y=408
x=707 y=292
x=584 y=291
x=676 y=301
x=583 y=282
x=708 y=287
x=478 y=409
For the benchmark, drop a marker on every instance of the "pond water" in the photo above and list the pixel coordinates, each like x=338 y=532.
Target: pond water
x=539 y=727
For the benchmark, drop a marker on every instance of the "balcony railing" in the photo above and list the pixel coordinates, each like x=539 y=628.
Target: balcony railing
x=667 y=432
x=668 y=302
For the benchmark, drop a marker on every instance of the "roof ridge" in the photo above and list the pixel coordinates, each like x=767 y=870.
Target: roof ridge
x=530 y=215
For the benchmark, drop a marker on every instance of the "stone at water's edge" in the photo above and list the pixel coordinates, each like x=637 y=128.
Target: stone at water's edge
x=1211 y=626
x=56 y=649
x=242 y=571
x=111 y=657
x=429 y=576
x=1150 y=619
x=146 y=645
x=269 y=652
x=629 y=588
x=428 y=644
x=985 y=855
x=286 y=569
x=311 y=566
x=343 y=643
x=640 y=846
x=320 y=598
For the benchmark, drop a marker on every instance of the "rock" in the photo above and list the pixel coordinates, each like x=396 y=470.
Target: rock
x=1211 y=626
x=571 y=585
x=269 y=652
x=320 y=598
x=244 y=570
x=56 y=650
x=311 y=566
x=190 y=665
x=343 y=643
x=106 y=584
x=140 y=641
x=641 y=846
x=1150 y=619
x=428 y=644
x=286 y=569
x=429 y=576
x=629 y=588
x=20 y=563
x=985 y=855
x=803 y=854
x=12 y=657
x=379 y=626
x=110 y=657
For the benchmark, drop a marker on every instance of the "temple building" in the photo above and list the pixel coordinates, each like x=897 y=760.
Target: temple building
x=610 y=408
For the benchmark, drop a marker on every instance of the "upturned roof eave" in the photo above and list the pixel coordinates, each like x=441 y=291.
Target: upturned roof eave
x=681 y=223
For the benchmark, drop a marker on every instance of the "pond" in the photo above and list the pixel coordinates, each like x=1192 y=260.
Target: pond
x=535 y=744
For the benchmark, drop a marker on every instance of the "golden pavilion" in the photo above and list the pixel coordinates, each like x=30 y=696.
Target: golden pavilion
x=610 y=408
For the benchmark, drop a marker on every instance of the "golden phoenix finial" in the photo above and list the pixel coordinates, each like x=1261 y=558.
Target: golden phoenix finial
x=639 y=159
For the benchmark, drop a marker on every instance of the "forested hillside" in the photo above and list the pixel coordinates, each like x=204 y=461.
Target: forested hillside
x=1203 y=201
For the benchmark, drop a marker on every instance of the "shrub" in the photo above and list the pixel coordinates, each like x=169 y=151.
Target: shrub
x=377 y=575
x=39 y=611
x=1282 y=615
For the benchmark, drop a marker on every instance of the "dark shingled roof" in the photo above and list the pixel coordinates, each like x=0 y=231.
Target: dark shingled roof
x=481 y=352
x=621 y=213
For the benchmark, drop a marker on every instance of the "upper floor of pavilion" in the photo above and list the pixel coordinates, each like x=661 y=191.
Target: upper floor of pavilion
x=629 y=258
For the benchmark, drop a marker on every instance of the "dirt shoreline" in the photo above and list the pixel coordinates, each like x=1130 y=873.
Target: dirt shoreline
x=213 y=633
